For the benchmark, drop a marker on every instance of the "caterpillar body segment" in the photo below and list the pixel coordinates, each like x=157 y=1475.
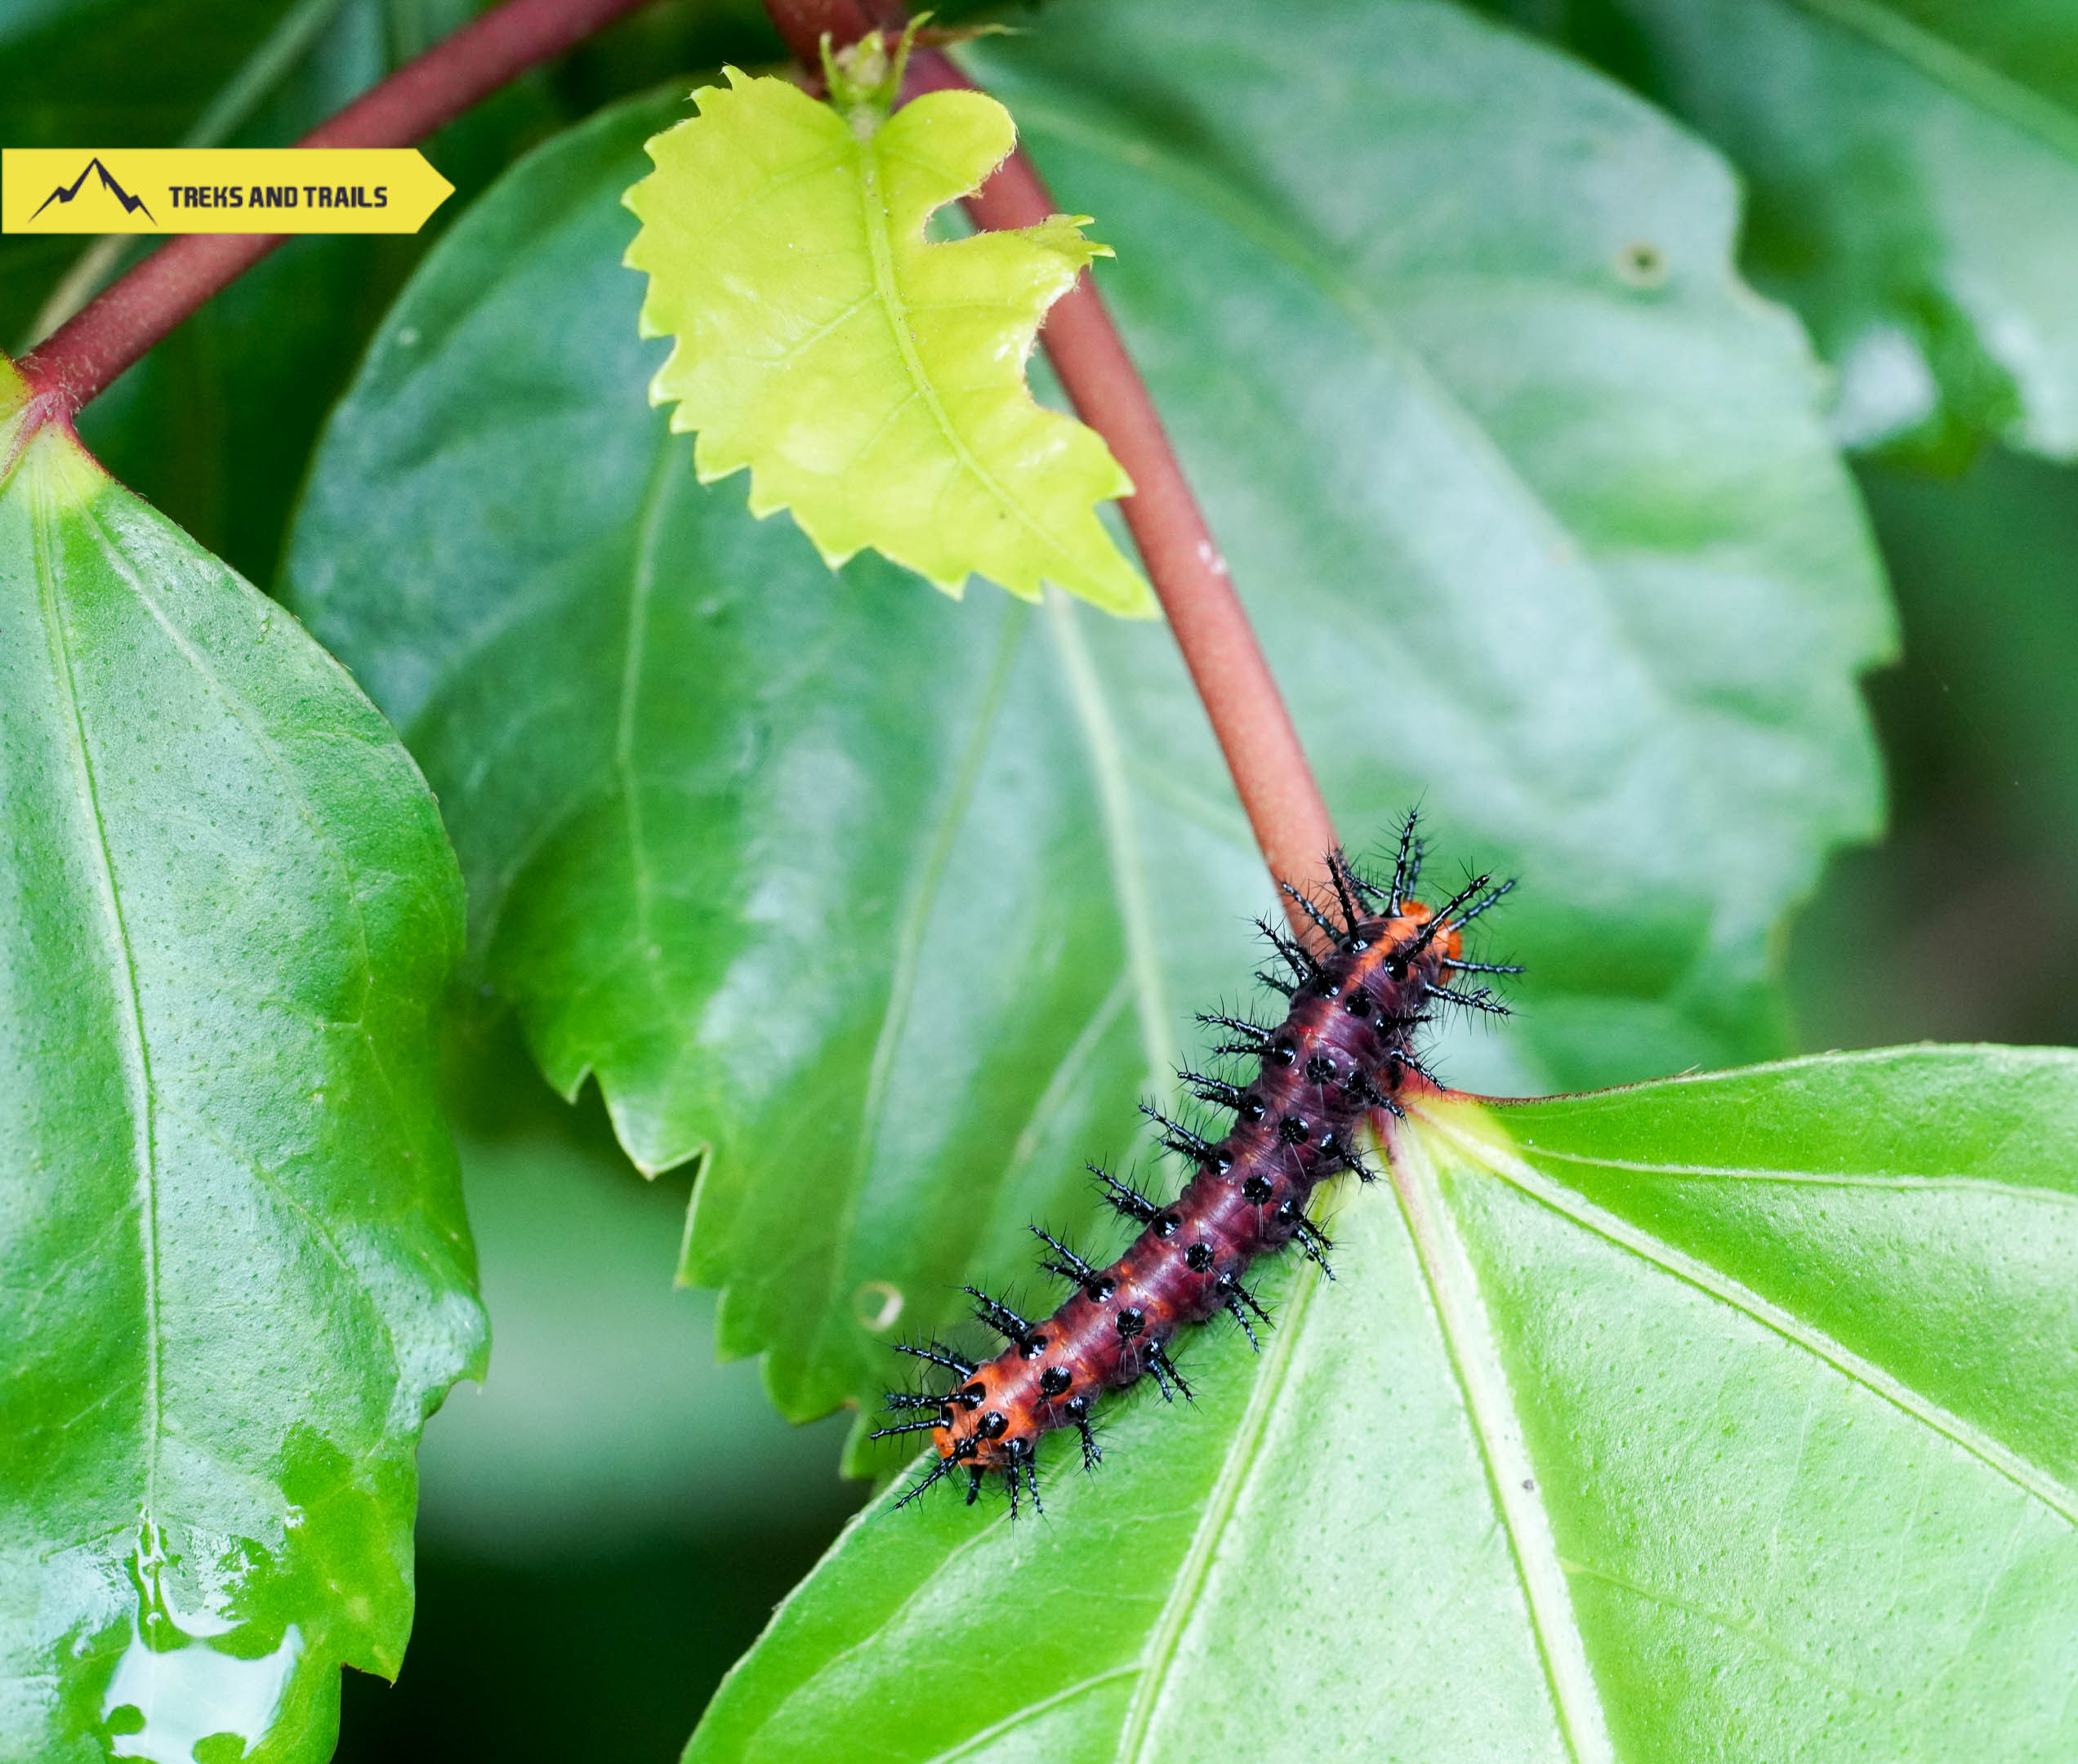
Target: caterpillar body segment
x=1344 y=1047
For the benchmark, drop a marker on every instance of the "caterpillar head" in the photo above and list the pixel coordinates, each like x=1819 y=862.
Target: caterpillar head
x=983 y=1428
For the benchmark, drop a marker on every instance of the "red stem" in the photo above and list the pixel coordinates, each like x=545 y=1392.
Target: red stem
x=79 y=360
x=1226 y=665
x=804 y=23
x=1270 y=773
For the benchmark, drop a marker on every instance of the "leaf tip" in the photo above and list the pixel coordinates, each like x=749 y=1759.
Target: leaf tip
x=1063 y=234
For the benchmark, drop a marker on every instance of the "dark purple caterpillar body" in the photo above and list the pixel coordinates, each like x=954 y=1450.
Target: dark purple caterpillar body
x=1343 y=1048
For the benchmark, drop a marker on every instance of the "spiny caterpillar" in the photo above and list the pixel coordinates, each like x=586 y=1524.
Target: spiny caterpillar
x=1343 y=1048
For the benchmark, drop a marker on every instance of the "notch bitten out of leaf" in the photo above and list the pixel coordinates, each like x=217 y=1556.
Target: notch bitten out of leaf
x=872 y=382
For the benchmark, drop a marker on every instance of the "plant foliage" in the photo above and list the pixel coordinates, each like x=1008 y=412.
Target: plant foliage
x=1724 y=1417
x=872 y=381
x=234 y=1270
x=739 y=836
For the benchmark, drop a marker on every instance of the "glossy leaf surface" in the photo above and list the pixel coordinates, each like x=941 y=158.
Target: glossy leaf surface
x=234 y=1272
x=893 y=906
x=1903 y=156
x=872 y=381
x=1725 y=1418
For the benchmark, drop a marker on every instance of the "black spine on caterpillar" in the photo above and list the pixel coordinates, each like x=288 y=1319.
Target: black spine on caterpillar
x=1382 y=967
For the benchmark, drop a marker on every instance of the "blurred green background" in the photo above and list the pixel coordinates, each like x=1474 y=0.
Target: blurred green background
x=1959 y=927
x=609 y=1521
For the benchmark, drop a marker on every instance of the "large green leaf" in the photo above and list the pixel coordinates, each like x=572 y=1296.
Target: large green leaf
x=1913 y=166
x=895 y=905
x=1730 y=1418
x=870 y=380
x=234 y=1268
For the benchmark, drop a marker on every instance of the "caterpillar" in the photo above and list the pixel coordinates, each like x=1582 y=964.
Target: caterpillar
x=1344 y=1047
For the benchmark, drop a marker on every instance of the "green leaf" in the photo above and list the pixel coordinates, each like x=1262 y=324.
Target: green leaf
x=235 y=1270
x=872 y=382
x=1728 y=1417
x=1911 y=162
x=893 y=906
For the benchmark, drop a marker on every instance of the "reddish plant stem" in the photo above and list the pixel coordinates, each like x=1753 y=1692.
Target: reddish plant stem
x=1269 y=768
x=803 y=24
x=79 y=360
x=1226 y=665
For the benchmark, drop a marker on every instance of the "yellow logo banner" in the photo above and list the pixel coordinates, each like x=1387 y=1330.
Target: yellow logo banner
x=217 y=189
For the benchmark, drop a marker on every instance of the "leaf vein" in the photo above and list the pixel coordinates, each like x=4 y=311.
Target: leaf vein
x=136 y=1050
x=909 y=938
x=1453 y=1296
x=1242 y=1451
x=2001 y=1460
x=1900 y=1180
x=1030 y=1712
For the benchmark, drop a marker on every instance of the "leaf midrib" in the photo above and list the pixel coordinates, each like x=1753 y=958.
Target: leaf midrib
x=132 y=1046
x=1457 y=1307
x=1243 y=1448
x=1129 y=882
x=874 y=217
x=909 y=942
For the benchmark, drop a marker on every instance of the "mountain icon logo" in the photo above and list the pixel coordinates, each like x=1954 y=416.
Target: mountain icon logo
x=65 y=193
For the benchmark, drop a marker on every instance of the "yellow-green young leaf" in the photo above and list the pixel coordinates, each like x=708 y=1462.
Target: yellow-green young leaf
x=873 y=383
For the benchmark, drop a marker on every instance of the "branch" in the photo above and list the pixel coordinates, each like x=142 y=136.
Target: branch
x=78 y=361
x=1226 y=665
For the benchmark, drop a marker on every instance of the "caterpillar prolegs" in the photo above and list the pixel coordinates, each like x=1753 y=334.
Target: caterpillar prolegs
x=1345 y=1047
